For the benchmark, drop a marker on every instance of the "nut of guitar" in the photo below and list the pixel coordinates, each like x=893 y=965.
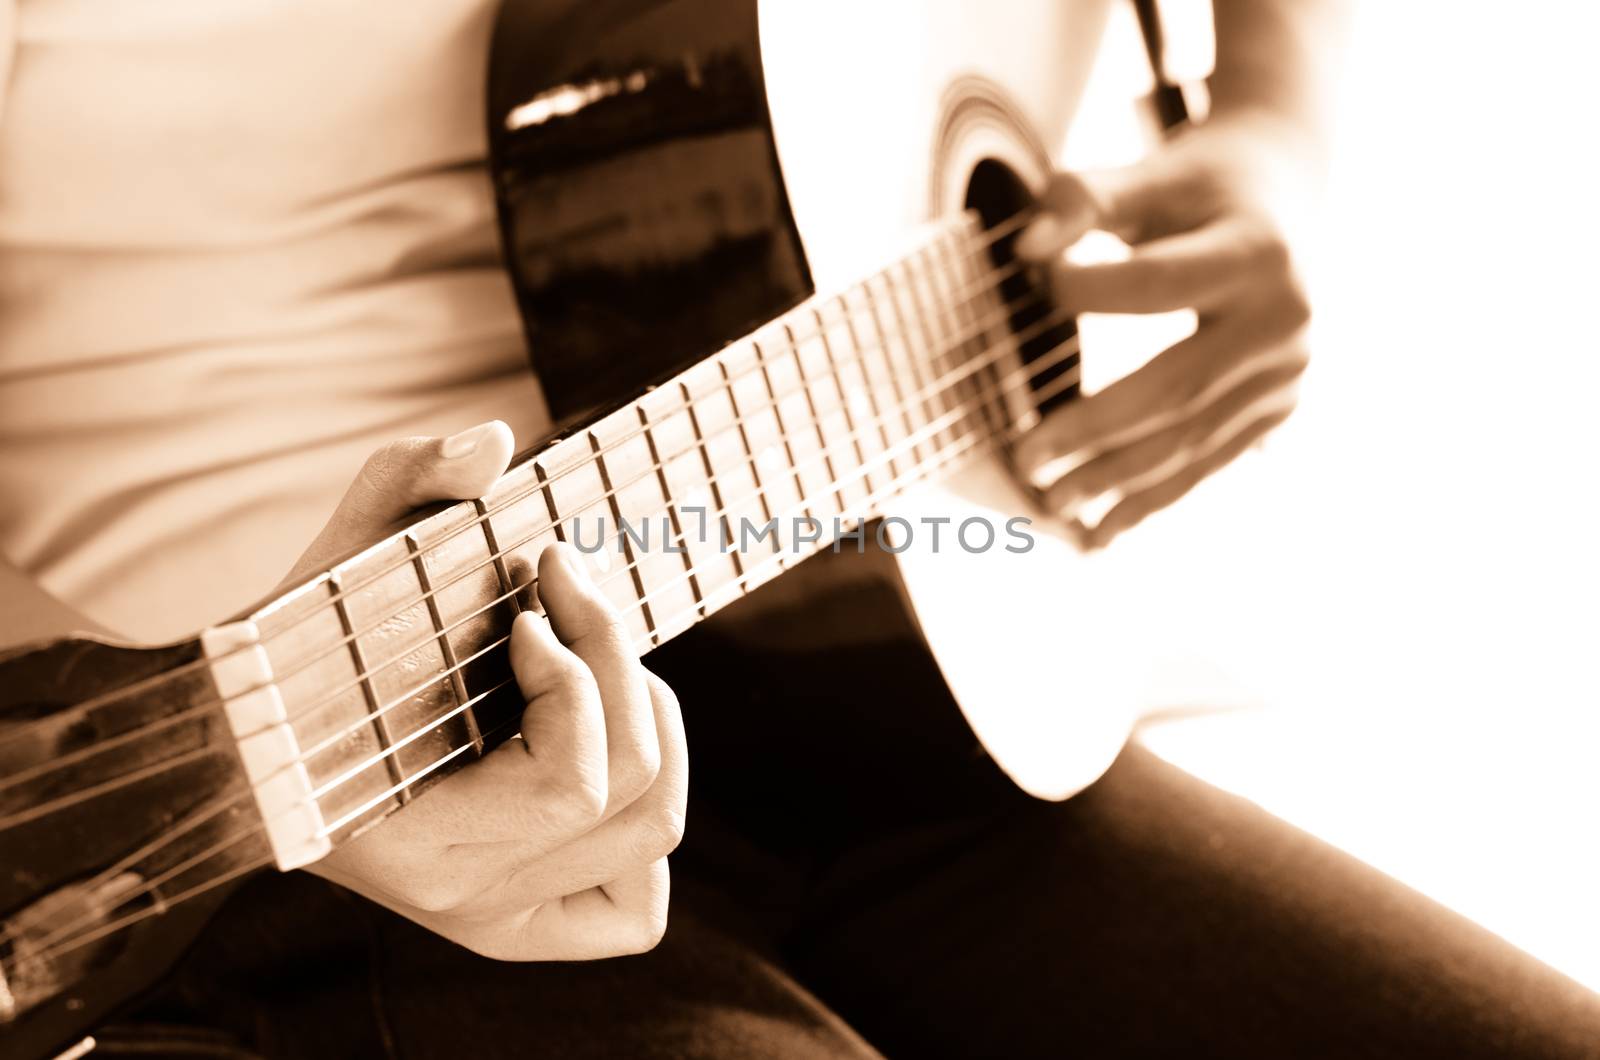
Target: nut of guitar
x=267 y=744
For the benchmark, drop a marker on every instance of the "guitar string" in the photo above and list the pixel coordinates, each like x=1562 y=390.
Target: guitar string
x=433 y=634
x=967 y=444
x=1023 y=375
x=695 y=609
x=924 y=397
x=257 y=827
x=989 y=238
x=986 y=285
x=929 y=431
x=333 y=647
x=657 y=467
x=406 y=696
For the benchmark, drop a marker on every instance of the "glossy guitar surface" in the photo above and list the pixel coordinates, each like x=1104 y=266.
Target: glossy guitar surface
x=671 y=177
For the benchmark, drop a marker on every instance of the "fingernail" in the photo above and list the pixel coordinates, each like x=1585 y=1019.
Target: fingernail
x=466 y=443
x=571 y=560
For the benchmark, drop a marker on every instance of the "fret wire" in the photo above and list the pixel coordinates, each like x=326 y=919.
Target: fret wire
x=996 y=277
x=556 y=524
x=458 y=683
x=439 y=762
x=406 y=696
x=844 y=399
x=388 y=753
x=931 y=256
x=497 y=556
x=806 y=384
x=724 y=506
x=705 y=452
x=739 y=416
x=913 y=356
x=512 y=591
x=370 y=694
x=944 y=458
x=956 y=264
x=492 y=540
x=777 y=415
x=949 y=455
x=922 y=324
x=979 y=435
x=994 y=234
x=934 y=311
x=893 y=375
x=943 y=276
x=379 y=799
x=546 y=480
x=660 y=466
x=943 y=279
x=332 y=739
x=976 y=257
x=978 y=251
x=1025 y=375
x=612 y=502
x=871 y=392
x=952 y=417
x=952 y=260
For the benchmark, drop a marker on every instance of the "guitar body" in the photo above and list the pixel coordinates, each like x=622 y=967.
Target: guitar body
x=882 y=117
x=923 y=101
x=671 y=176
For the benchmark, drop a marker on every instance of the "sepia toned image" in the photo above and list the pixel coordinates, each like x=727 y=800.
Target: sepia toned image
x=750 y=528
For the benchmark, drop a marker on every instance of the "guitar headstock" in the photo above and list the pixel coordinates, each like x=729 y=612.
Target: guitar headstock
x=123 y=808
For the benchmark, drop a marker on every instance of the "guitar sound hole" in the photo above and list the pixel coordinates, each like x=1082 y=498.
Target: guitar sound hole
x=998 y=195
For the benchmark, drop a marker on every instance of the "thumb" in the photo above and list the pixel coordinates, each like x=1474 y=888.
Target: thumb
x=402 y=476
x=1119 y=201
x=1069 y=206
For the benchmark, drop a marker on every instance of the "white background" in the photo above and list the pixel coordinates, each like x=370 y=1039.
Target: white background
x=1405 y=579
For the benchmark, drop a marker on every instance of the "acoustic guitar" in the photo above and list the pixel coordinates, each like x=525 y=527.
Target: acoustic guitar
x=676 y=182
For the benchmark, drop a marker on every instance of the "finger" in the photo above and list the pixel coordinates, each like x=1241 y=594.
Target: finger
x=1168 y=388
x=1159 y=456
x=1132 y=510
x=537 y=793
x=1156 y=197
x=1068 y=209
x=646 y=830
x=530 y=795
x=404 y=475
x=589 y=624
x=625 y=916
x=1197 y=269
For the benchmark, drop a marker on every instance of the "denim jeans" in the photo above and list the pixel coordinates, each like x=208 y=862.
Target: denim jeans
x=858 y=878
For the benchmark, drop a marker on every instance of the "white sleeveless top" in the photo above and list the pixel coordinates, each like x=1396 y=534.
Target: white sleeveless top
x=242 y=243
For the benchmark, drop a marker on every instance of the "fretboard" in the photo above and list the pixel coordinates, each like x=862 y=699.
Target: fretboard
x=390 y=670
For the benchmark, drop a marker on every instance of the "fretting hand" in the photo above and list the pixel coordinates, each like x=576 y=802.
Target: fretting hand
x=554 y=845
x=1202 y=237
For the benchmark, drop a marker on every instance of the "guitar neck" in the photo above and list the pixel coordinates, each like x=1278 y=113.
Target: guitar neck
x=353 y=692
